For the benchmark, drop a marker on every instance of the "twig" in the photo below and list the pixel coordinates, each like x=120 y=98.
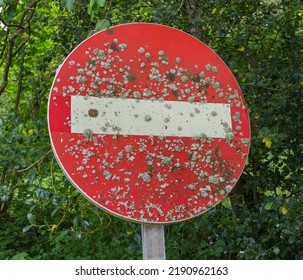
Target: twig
x=32 y=165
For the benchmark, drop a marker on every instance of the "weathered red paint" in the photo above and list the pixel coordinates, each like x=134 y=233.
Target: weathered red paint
x=148 y=179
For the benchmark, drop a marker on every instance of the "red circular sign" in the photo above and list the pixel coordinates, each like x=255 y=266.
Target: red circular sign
x=148 y=123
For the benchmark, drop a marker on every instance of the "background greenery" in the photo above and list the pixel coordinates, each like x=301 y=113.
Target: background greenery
x=43 y=217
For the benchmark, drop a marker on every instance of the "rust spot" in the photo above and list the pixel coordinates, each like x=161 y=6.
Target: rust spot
x=196 y=78
x=132 y=77
x=92 y=61
x=175 y=92
x=110 y=31
x=150 y=170
x=189 y=75
x=202 y=88
x=170 y=76
x=178 y=169
x=114 y=46
x=93 y=113
x=218 y=153
x=164 y=57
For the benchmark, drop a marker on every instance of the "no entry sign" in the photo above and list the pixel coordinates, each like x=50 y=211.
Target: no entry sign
x=148 y=123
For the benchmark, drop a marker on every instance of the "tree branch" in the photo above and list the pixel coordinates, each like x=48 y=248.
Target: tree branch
x=19 y=28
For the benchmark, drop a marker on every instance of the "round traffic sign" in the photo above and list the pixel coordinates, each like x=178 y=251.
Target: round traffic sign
x=148 y=123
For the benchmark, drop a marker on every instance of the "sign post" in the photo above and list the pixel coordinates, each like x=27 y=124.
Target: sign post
x=153 y=242
x=150 y=125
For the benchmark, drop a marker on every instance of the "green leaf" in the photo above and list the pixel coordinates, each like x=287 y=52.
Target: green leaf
x=276 y=250
x=21 y=256
x=11 y=12
x=31 y=218
x=268 y=206
x=91 y=7
x=26 y=229
x=69 y=4
x=1 y=2
x=220 y=243
x=54 y=211
x=102 y=24
x=101 y=3
x=226 y=202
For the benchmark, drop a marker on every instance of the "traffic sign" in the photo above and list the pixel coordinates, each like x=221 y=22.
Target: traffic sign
x=148 y=123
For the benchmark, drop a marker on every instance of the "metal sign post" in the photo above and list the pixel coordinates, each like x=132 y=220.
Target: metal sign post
x=149 y=124
x=153 y=242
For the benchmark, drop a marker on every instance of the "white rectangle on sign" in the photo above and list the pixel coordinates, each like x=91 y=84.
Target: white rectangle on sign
x=147 y=117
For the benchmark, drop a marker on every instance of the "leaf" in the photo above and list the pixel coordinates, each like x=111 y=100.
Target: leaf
x=69 y=4
x=29 y=201
x=102 y=24
x=276 y=250
x=91 y=7
x=26 y=229
x=267 y=141
x=268 y=206
x=226 y=202
x=21 y=256
x=54 y=227
x=1 y=2
x=101 y=3
x=54 y=211
x=31 y=218
x=11 y=11
x=220 y=243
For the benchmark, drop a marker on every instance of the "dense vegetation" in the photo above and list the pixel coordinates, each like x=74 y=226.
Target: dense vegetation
x=43 y=217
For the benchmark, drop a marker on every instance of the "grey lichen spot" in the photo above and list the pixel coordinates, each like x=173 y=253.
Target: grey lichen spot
x=88 y=134
x=178 y=60
x=128 y=148
x=107 y=174
x=191 y=99
x=137 y=94
x=213 y=179
x=141 y=50
x=166 y=160
x=202 y=137
x=147 y=118
x=184 y=79
x=229 y=136
x=236 y=117
x=203 y=192
x=214 y=69
x=208 y=67
x=145 y=177
x=245 y=140
x=214 y=113
x=229 y=188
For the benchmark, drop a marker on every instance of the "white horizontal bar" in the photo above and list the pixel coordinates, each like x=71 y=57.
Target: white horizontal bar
x=146 y=117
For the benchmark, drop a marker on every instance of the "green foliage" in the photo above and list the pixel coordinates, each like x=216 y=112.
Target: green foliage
x=43 y=217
